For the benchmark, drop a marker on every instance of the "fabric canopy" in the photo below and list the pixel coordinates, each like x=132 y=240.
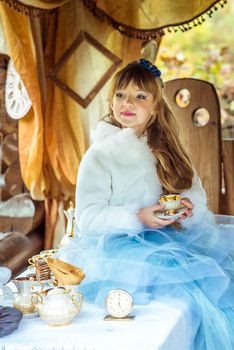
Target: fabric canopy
x=146 y=19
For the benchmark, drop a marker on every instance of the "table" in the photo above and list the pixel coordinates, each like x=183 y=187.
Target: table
x=156 y=326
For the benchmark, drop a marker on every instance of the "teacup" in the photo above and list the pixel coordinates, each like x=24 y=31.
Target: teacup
x=48 y=252
x=43 y=254
x=34 y=258
x=170 y=201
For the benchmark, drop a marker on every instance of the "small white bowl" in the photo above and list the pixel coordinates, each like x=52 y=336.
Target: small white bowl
x=170 y=201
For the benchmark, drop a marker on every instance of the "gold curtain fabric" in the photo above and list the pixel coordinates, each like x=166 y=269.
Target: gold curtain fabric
x=17 y=31
x=148 y=14
x=146 y=19
x=51 y=142
x=51 y=135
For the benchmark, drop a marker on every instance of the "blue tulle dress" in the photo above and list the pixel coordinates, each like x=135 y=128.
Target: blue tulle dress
x=195 y=266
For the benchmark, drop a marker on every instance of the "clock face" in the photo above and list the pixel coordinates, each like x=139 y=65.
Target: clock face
x=119 y=303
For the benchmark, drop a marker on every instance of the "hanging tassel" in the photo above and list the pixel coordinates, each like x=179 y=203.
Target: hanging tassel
x=190 y=26
x=199 y=21
x=210 y=13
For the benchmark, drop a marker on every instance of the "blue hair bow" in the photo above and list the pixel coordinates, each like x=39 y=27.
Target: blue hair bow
x=149 y=66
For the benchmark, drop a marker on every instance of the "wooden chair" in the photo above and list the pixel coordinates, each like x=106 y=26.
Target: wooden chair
x=196 y=108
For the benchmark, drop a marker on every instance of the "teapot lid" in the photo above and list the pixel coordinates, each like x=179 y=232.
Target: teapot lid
x=57 y=290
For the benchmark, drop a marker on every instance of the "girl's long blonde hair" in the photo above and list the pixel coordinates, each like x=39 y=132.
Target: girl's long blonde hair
x=173 y=165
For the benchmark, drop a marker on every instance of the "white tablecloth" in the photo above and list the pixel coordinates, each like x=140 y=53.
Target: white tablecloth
x=156 y=326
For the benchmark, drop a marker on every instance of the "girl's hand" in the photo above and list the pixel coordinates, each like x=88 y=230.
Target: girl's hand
x=148 y=217
x=188 y=210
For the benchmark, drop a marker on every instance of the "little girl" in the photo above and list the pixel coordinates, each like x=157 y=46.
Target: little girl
x=135 y=157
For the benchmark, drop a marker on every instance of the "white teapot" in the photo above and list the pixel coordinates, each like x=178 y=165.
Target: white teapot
x=58 y=306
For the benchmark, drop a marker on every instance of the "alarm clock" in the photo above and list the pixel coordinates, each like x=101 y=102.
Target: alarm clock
x=119 y=304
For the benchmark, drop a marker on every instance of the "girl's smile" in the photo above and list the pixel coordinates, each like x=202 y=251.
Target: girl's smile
x=128 y=114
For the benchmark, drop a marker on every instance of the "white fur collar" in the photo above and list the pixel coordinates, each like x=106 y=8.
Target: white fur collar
x=103 y=131
x=122 y=142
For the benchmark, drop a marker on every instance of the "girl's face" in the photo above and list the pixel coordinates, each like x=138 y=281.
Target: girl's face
x=133 y=107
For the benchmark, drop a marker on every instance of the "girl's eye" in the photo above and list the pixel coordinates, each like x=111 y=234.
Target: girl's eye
x=118 y=94
x=141 y=97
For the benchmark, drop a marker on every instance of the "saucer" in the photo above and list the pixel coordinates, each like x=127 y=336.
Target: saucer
x=162 y=214
x=31 y=314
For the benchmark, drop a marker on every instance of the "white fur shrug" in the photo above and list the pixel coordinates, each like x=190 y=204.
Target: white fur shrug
x=116 y=178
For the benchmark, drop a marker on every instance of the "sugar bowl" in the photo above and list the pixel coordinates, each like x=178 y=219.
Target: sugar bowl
x=58 y=306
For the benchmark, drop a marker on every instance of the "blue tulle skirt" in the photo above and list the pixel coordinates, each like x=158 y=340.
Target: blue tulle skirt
x=195 y=266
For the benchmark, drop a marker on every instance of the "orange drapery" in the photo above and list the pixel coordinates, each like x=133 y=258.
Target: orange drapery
x=19 y=40
x=51 y=136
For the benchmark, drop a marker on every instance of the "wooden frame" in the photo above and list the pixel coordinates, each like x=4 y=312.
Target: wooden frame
x=84 y=102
